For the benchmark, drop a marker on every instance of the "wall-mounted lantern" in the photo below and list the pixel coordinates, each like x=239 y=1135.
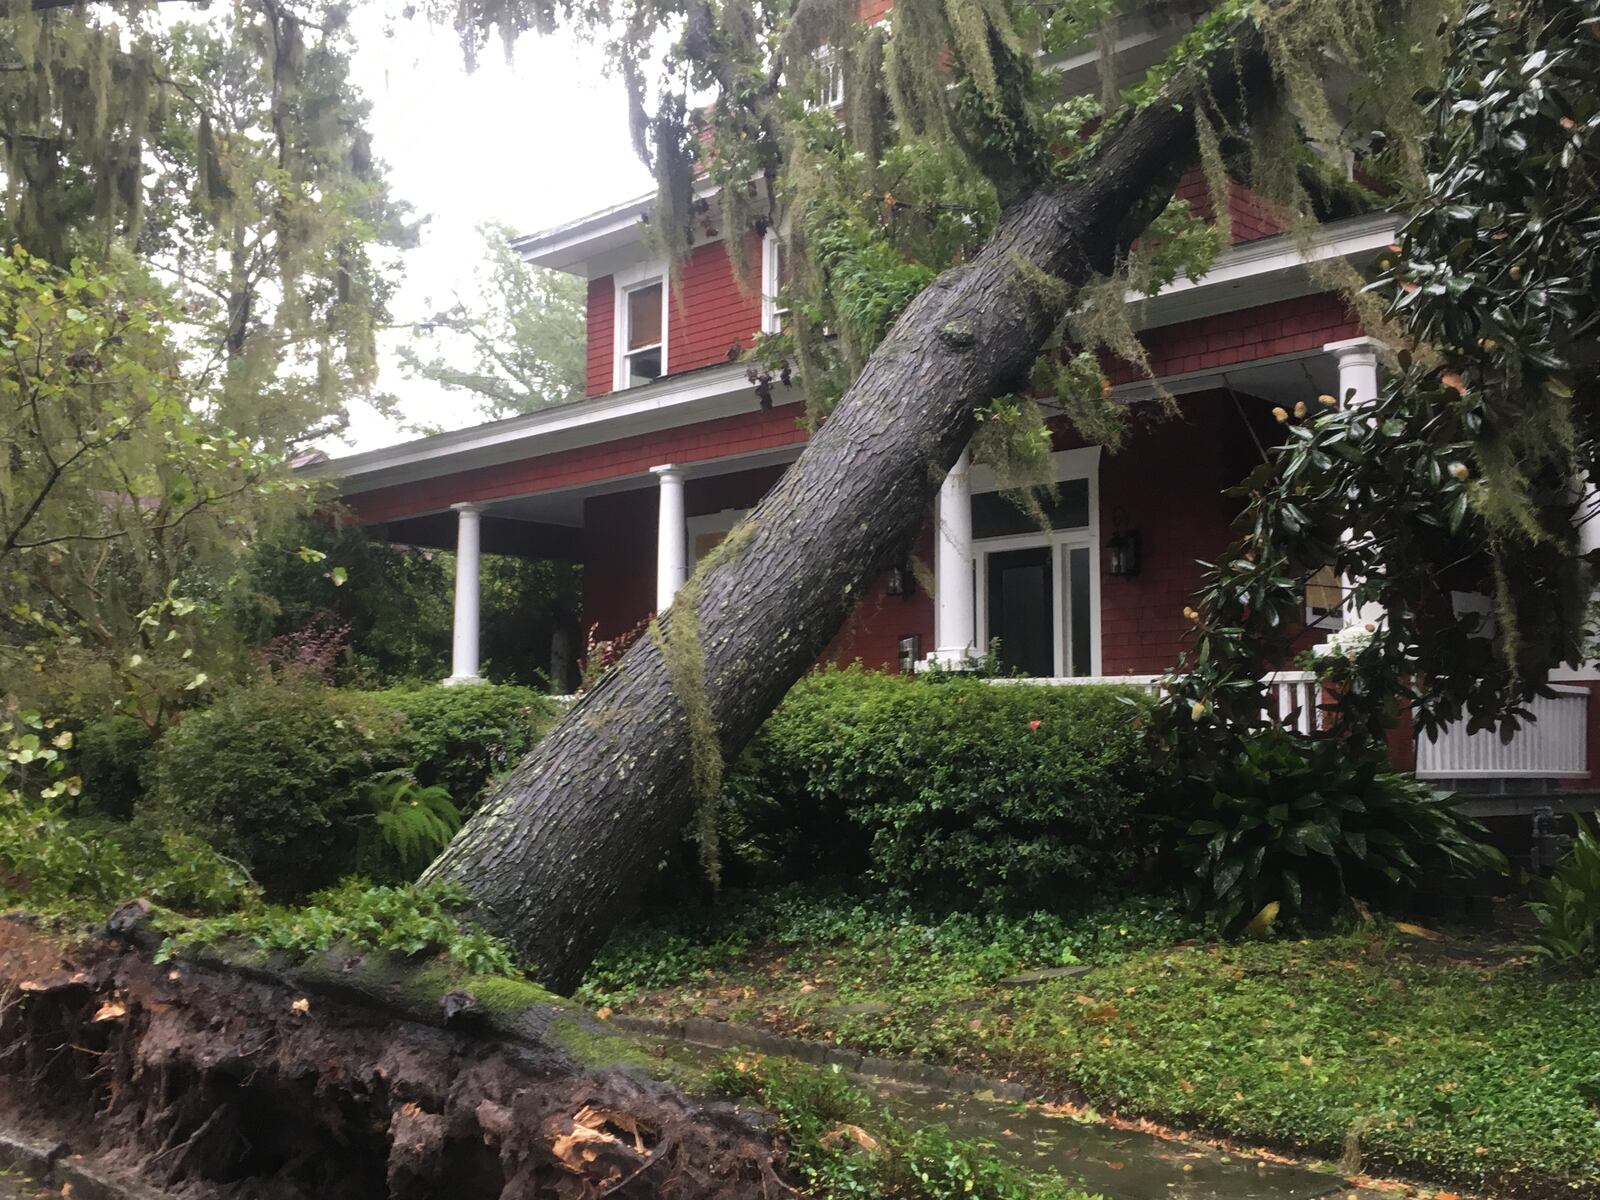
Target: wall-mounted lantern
x=1124 y=552
x=902 y=581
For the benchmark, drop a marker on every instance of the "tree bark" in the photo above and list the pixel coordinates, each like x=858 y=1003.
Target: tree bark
x=559 y=852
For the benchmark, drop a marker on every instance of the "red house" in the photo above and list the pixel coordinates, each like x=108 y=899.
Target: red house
x=671 y=446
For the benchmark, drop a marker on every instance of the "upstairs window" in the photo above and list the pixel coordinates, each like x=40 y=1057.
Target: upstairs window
x=829 y=91
x=774 y=278
x=641 y=330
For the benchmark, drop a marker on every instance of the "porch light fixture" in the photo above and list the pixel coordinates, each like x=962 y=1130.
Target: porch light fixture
x=1124 y=554
x=902 y=581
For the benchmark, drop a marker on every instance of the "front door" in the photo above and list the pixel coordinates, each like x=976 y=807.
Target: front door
x=1021 y=610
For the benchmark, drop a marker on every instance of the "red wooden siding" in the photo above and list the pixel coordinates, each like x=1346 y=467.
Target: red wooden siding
x=710 y=314
x=601 y=329
x=619 y=566
x=1249 y=215
x=711 y=317
x=1166 y=483
x=1244 y=335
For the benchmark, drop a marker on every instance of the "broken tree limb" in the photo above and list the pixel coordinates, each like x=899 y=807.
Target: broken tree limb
x=562 y=848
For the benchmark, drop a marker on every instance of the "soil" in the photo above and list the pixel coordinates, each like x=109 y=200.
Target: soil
x=217 y=1083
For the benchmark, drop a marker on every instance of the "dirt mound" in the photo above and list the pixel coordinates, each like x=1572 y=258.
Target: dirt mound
x=214 y=1082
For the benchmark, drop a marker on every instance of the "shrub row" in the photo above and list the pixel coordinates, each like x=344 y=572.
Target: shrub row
x=947 y=785
x=276 y=775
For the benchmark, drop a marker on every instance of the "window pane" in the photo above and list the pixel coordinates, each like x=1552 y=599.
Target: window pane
x=644 y=316
x=1020 y=610
x=1080 y=637
x=643 y=367
x=995 y=515
x=1323 y=593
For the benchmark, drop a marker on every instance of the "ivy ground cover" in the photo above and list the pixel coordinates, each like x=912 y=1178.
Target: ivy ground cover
x=1461 y=1063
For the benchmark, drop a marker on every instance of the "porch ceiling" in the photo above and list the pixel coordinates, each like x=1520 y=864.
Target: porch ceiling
x=1289 y=376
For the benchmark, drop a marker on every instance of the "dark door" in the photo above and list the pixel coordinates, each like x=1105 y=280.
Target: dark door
x=1021 y=613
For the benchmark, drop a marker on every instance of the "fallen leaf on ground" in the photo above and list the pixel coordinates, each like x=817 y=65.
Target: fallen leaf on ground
x=1420 y=931
x=850 y=1133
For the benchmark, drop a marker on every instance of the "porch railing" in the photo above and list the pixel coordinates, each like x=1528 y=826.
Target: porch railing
x=1554 y=745
x=1292 y=696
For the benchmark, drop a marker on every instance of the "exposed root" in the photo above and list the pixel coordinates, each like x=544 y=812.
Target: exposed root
x=210 y=1083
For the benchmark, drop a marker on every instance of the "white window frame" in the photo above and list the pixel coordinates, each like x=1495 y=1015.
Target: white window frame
x=1333 y=619
x=1084 y=464
x=772 y=248
x=622 y=283
x=830 y=64
x=717 y=522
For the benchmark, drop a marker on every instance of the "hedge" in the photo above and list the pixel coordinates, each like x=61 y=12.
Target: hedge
x=461 y=737
x=273 y=775
x=947 y=785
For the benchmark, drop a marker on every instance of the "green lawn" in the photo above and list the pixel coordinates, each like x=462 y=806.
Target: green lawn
x=1458 y=1063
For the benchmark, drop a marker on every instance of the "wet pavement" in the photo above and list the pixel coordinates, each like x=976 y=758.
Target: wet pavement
x=1121 y=1164
x=20 y=1187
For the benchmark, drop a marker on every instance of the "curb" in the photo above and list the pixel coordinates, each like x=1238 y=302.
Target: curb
x=54 y=1165
x=723 y=1035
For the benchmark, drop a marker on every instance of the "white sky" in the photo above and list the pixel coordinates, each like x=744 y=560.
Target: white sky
x=533 y=144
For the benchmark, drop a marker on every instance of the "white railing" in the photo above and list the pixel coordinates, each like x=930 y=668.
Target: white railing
x=1293 y=697
x=1554 y=745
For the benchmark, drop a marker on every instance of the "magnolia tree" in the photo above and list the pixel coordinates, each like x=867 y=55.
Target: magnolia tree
x=1470 y=473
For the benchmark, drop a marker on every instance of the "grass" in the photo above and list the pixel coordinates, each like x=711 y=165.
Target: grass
x=1466 y=1069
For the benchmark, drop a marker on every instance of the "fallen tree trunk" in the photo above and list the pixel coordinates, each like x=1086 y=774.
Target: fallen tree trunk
x=272 y=1081
x=558 y=853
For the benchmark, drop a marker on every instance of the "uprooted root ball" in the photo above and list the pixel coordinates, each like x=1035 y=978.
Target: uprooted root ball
x=207 y=1082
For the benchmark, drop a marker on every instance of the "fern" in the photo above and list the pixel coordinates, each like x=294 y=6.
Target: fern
x=405 y=825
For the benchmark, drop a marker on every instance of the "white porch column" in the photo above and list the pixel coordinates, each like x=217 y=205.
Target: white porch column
x=1358 y=388
x=1588 y=518
x=464 y=644
x=672 y=536
x=954 y=622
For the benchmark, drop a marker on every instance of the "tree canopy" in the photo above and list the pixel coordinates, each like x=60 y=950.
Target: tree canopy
x=515 y=344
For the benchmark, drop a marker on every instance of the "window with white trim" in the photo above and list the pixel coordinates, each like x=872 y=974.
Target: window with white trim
x=644 y=337
x=829 y=91
x=640 y=332
x=1324 y=594
x=708 y=532
x=774 y=278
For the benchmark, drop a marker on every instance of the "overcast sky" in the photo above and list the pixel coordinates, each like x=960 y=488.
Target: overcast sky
x=533 y=144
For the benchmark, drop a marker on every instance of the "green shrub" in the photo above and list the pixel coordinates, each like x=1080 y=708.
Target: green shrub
x=46 y=863
x=458 y=738
x=1569 y=913
x=114 y=756
x=1306 y=824
x=949 y=786
x=197 y=879
x=272 y=775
